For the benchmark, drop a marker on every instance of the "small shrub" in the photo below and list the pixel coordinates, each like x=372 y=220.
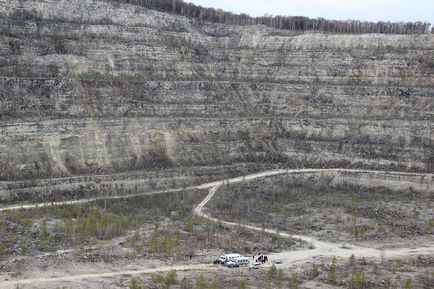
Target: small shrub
x=280 y=277
x=186 y=283
x=58 y=44
x=314 y=272
x=134 y=284
x=295 y=281
x=214 y=285
x=158 y=279
x=408 y=284
x=276 y=239
x=242 y=285
x=352 y=260
x=387 y=283
x=170 y=278
x=376 y=270
x=27 y=222
x=358 y=281
x=271 y=273
x=333 y=276
x=334 y=260
x=201 y=282
x=24 y=249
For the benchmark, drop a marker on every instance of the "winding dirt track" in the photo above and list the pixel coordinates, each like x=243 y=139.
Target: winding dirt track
x=321 y=249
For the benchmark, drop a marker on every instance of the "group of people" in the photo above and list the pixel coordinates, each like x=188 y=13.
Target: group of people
x=261 y=259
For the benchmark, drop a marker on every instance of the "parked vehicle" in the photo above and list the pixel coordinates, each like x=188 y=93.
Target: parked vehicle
x=254 y=265
x=231 y=264
x=241 y=261
x=228 y=257
x=278 y=261
x=238 y=262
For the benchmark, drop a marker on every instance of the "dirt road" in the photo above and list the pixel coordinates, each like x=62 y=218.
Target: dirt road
x=202 y=267
x=89 y=200
x=320 y=248
x=203 y=186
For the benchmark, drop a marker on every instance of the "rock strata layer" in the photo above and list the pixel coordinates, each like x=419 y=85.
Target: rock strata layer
x=90 y=88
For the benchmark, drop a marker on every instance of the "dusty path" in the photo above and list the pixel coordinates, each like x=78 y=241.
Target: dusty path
x=89 y=200
x=321 y=249
x=84 y=201
x=202 y=267
x=203 y=186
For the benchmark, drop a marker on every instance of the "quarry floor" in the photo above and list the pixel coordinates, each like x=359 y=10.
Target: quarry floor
x=93 y=270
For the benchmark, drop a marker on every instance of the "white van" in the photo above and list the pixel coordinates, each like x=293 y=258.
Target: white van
x=228 y=257
x=238 y=262
x=254 y=265
x=241 y=261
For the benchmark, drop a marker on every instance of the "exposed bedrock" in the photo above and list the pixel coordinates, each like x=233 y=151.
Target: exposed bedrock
x=89 y=88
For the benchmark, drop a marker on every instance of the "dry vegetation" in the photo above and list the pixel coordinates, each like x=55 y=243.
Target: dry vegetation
x=158 y=230
x=359 y=273
x=352 y=273
x=336 y=212
x=156 y=225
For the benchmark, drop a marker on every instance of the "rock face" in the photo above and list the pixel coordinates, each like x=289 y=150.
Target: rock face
x=89 y=87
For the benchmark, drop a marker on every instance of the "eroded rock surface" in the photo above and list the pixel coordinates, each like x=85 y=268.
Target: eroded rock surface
x=90 y=88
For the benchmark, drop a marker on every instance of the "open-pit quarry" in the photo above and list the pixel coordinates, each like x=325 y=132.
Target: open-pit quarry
x=138 y=144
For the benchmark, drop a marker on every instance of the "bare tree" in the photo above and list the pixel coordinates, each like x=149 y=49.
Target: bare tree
x=297 y=23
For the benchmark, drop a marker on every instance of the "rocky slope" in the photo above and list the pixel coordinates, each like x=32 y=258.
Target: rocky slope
x=90 y=88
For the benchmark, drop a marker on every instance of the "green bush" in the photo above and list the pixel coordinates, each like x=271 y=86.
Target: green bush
x=170 y=278
x=59 y=46
x=314 y=272
x=352 y=260
x=186 y=283
x=333 y=276
x=276 y=239
x=242 y=285
x=214 y=285
x=271 y=273
x=387 y=283
x=201 y=282
x=159 y=243
x=358 y=281
x=408 y=284
x=295 y=281
x=376 y=270
x=134 y=284
x=158 y=278
x=280 y=277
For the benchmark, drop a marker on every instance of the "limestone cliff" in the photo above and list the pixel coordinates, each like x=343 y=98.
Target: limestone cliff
x=90 y=88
